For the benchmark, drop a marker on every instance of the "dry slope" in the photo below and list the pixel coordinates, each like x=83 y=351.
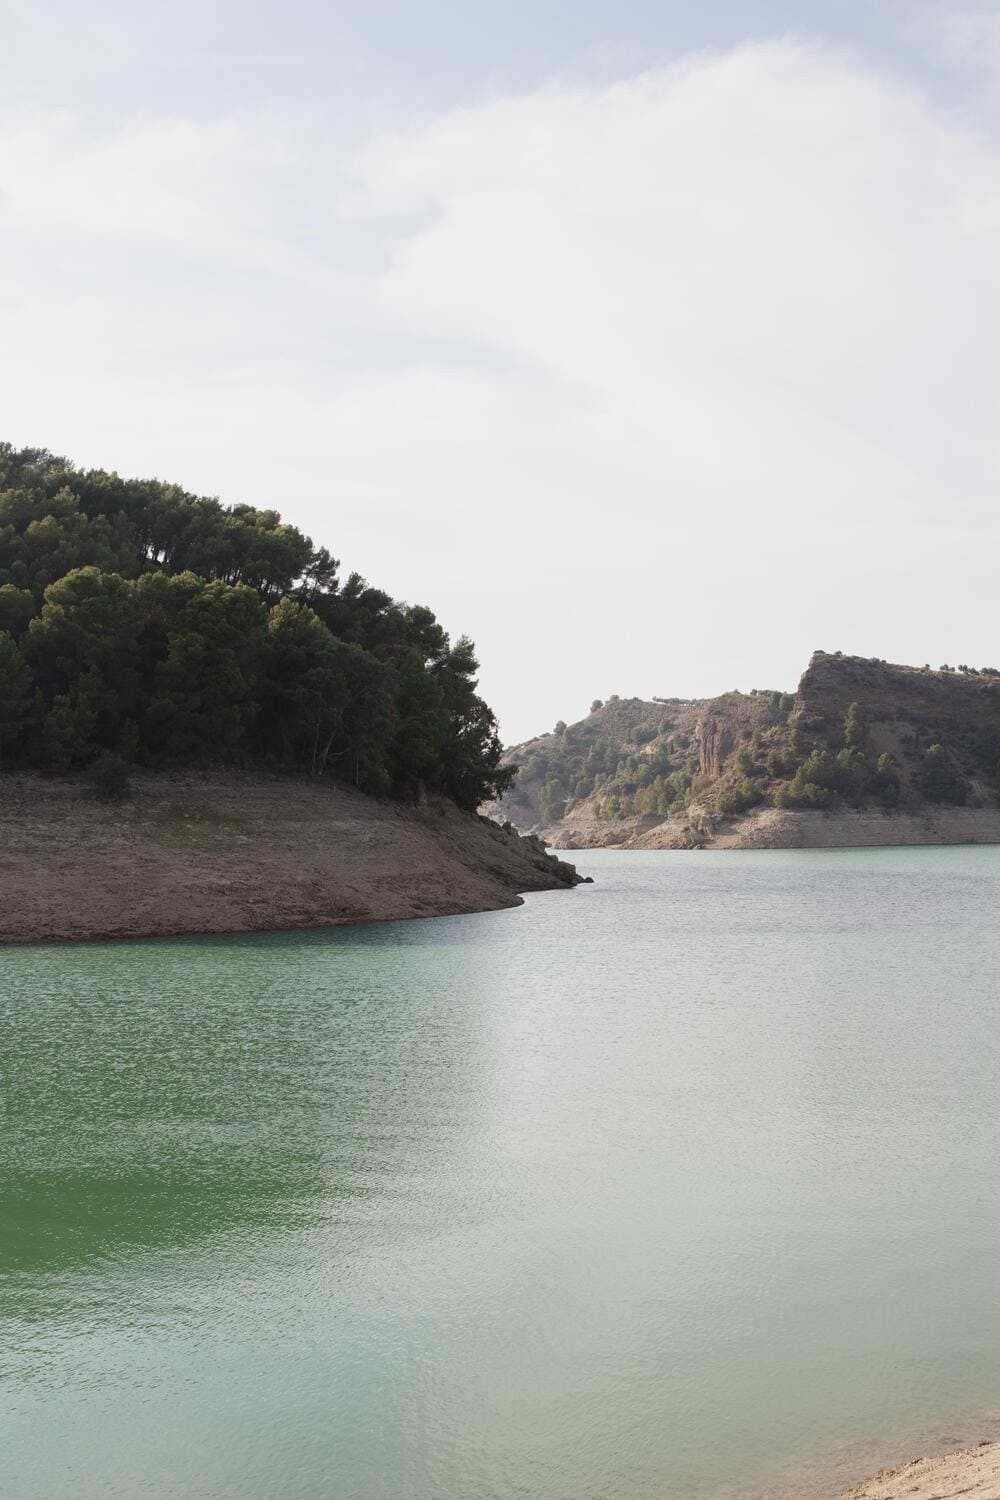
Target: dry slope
x=917 y=763
x=232 y=852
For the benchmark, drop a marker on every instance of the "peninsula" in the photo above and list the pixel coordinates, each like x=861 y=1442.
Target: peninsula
x=204 y=728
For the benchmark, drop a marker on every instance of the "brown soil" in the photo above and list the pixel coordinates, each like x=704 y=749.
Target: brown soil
x=237 y=852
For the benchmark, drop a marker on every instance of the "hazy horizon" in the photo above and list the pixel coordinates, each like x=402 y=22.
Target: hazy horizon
x=652 y=351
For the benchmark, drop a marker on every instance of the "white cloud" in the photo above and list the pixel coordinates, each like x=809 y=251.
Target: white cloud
x=651 y=386
x=967 y=35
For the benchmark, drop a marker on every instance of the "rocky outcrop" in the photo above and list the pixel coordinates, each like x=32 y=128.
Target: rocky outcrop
x=724 y=724
x=922 y=697
x=747 y=750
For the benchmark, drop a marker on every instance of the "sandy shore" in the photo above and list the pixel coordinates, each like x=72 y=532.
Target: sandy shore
x=973 y=1471
x=239 y=852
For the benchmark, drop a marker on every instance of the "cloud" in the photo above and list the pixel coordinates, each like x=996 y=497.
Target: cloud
x=968 y=36
x=652 y=386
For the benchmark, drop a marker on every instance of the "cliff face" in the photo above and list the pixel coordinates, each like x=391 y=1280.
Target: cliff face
x=906 y=710
x=245 y=852
x=887 y=692
x=724 y=724
x=864 y=752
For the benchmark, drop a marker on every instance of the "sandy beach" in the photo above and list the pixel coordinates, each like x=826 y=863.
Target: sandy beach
x=973 y=1471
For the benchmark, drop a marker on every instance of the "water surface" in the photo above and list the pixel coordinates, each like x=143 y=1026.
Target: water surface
x=660 y=1187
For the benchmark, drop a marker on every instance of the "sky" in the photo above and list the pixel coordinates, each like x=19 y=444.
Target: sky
x=653 y=345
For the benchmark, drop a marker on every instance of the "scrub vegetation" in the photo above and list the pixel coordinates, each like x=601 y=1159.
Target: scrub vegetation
x=858 y=734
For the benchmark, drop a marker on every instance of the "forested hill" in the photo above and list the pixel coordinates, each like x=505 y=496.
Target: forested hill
x=143 y=623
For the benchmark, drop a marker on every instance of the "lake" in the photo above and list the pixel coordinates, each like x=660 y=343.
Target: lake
x=678 y=1185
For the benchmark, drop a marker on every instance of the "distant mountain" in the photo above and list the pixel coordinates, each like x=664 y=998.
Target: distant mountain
x=859 y=740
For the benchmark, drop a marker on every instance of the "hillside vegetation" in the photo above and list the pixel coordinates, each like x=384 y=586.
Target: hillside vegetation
x=143 y=624
x=858 y=734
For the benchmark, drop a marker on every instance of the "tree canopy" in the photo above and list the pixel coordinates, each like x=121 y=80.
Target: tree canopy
x=140 y=621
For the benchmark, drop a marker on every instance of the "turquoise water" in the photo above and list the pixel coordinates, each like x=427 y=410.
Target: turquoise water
x=663 y=1187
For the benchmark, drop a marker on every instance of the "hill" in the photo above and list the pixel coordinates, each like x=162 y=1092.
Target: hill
x=300 y=748
x=863 y=752
x=144 y=623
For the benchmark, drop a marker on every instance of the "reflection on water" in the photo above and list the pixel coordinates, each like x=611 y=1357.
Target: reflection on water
x=655 y=1188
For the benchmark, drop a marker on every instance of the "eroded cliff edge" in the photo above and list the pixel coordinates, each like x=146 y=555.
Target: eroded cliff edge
x=244 y=852
x=864 y=753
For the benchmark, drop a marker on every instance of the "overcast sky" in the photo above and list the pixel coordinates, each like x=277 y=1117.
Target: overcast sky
x=651 y=344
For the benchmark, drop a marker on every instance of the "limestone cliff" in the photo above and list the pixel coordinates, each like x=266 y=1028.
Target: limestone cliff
x=864 y=752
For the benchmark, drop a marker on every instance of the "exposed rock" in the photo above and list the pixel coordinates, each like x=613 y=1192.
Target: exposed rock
x=713 y=760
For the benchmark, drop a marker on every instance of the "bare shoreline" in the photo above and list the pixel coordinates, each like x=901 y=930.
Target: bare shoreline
x=235 y=852
x=775 y=828
x=970 y=1471
x=964 y=1458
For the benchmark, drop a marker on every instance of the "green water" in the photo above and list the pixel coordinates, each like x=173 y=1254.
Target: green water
x=650 y=1189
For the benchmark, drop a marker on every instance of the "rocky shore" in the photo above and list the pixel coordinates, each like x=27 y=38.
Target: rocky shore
x=242 y=852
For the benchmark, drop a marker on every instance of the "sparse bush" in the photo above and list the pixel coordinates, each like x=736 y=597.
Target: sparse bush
x=938 y=780
x=552 y=801
x=855 y=728
x=736 y=799
x=780 y=763
x=885 y=783
x=108 y=778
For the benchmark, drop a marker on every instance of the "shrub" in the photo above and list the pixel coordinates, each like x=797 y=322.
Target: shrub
x=885 y=783
x=736 y=799
x=108 y=778
x=855 y=728
x=745 y=763
x=938 y=780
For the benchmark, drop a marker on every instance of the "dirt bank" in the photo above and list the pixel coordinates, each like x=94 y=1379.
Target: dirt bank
x=234 y=852
x=775 y=828
x=975 y=1471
